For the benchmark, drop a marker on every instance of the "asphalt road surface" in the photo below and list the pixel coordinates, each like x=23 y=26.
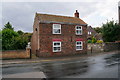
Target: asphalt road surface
x=100 y=66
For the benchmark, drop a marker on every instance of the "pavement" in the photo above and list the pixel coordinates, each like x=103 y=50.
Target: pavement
x=38 y=60
x=26 y=75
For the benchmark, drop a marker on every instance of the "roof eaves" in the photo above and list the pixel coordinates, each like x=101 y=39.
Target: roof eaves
x=63 y=23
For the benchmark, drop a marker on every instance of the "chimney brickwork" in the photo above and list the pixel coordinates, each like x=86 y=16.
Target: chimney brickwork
x=76 y=14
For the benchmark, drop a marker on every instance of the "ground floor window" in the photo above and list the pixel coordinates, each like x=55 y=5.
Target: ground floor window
x=56 y=46
x=79 y=45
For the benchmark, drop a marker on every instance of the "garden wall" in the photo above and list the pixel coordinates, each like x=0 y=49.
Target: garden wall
x=111 y=46
x=95 y=48
x=15 y=54
x=103 y=47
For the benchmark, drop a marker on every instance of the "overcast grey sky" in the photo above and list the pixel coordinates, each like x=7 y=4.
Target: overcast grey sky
x=21 y=14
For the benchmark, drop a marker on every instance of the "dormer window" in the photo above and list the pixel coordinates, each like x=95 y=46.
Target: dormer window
x=56 y=28
x=78 y=30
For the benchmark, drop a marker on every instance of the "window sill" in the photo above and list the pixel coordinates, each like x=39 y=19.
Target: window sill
x=56 y=51
x=56 y=33
x=78 y=34
x=79 y=49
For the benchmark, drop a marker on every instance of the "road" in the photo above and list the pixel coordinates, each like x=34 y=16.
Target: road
x=100 y=66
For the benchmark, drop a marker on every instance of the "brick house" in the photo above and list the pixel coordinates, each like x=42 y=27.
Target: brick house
x=93 y=33
x=55 y=35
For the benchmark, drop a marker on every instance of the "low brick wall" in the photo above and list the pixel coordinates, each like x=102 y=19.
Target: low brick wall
x=15 y=54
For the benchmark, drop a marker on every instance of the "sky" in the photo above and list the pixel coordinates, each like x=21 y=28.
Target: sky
x=21 y=13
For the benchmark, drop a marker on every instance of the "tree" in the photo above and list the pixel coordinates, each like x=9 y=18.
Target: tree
x=28 y=35
x=111 y=31
x=12 y=40
x=20 y=42
x=98 y=29
x=0 y=34
x=8 y=26
x=20 y=32
x=8 y=38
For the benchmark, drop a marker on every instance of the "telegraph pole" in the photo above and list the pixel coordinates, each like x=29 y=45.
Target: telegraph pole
x=119 y=24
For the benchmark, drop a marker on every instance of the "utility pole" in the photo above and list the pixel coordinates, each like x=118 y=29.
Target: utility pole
x=119 y=12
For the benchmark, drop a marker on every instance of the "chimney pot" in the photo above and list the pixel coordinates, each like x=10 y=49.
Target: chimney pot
x=76 y=14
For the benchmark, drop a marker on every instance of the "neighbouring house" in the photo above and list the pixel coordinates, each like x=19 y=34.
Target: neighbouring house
x=93 y=33
x=55 y=35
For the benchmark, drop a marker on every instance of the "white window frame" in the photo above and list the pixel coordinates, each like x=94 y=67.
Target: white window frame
x=79 y=45
x=56 y=46
x=89 y=33
x=56 y=28
x=78 y=30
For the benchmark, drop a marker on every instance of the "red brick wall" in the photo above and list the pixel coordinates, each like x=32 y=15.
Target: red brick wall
x=68 y=37
x=15 y=54
x=34 y=39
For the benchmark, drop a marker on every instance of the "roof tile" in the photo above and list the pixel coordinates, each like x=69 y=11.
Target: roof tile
x=57 y=18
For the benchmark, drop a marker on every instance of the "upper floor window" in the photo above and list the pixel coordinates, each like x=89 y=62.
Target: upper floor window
x=56 y=28
x=78 y=30
x=89 y=33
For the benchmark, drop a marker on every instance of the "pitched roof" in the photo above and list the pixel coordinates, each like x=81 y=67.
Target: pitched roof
x=57 y=18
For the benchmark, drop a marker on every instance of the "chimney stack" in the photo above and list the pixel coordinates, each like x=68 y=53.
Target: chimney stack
x=76 y=14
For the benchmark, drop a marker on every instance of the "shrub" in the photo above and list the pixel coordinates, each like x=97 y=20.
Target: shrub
x=94 y=40
x=99 y=41
x=89 y=41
